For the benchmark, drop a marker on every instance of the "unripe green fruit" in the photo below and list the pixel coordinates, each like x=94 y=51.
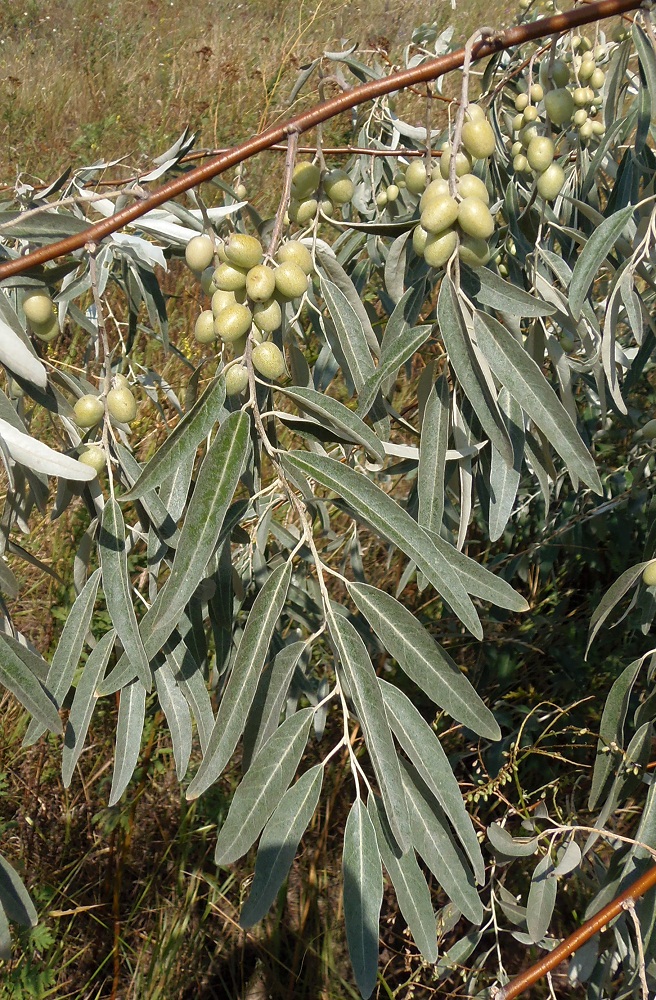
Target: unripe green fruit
x=233 y=322
x=520 y=164
x=122 y=405
x=236 y=380
x=399 y=177
x=291 y=280
x=537 y=93
x=326 y=206
x=600 y=53
x=475 y=113
x=339 y=187
x=528 y=133
x=267 y=316
x=598 y=128
x=436 y=189
x=88 y=411
x=37 y=307
x=463 y=164
x=649 y=574
x=296 y=253
x=204 y=326
x=478 y=139
x=586 y=69
x=268 y=360
x=559 y=105
x=260 y=283
x=586 y=44
x=517 y=148
x=473 y=251
x=559 y=72
x=381 y=199
x=221 y=300
x=46 y=331
x=302 y=212
x=474 y=218
x=580 y=96
x=531 y=114
x=439 y=247
x=243 y=251
x=540 y=153
x=518 y=122
x=120 y=381
x=521 y=102
x=419 y=239
x=469 y=185
x=647 y=431
x=551 y=181
x=207 y=281
x=93 y=456
x=229 y=278
x=580 y=117
x=439 y=214
x=305 y=178
x=199 y=253
x=392 y=192
x=436 y=174
x=241 y=192
x=597 y=79
x=415 y=177
x=586 y=131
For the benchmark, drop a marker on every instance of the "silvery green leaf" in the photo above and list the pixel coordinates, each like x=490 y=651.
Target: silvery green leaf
x=390 y=362
x=46 y=228
x=614 y=594
x=425 y=751
x=35 y=663
x=17 y=677
x=477 y=580
x=363 y=896
x=183 y=439
x=160 y=518
x=5 y=936
x=392 y=522
x=569 y=858
x=269 y=700
x=517 y=371
x=144 y=250
x=69 y=648
x=350 y=333
x=83 y=705
x=541 y=899
x=593 y=255
x=279 y=843
x=177 y=714
x=118 y=589
x=262 y=787
x=611 y=729
x=512 y=847
x=190 y=678
x=432 y=456
x=240 y=689
x=14 y=897
x=131 y=715
x=412 y=892
x=338 y=276
x=367 y=699
x=395 y=267
x=490 y=289
x=36 y=455
x=504 y=478
x=335 y=414
x=423 y=660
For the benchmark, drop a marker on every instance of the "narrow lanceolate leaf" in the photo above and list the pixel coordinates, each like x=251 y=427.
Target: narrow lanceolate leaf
x=118 y=590
x=183 y=440
x=392 y=522
x=611 y=729
x=363 y=896
x=270 y=696
x=541 y=899
x=27 y=451
x=390 y=362
x=14 y=897
x=191 y=679
x=240 y=689
x=489 y=289
x=433 y=840
x=67 y=655
x=593 y=255
x=477 y=580
x=504 y=478
x=5 y=936
x=340 y=278
x=279 y=843
x=517 y=371
x=432 y=456
x=17 y=677
x=262 y=787
x=368 y=701
x=131 y=715
x=16 y=355
x=425 y=751
x=178 y=717
x=614 y=594
x=467 y=365
x=350 y=334
x=335 y=414
x=83 y=704
x=410 y=886
x=423 y=659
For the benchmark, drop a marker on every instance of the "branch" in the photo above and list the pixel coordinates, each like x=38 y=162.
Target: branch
x=307 y=120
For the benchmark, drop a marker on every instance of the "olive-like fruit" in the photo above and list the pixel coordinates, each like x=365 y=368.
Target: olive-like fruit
x=439 y=247
x=474 y=218
x=463 y=163
x=475 y=113
x=46 y=331
x=233 y=322
x=473 y=251
x=559 y=72
x=470 y=184
x=241 y=191
x=440 y=214
x=381 y=199
x=516 y=148
x=392 y=192
x=326 y=206
x=37 y=307
x=297 y=253
x=207 y=281
x=597 y=79
x=580 y=96
x=531 y=114
x=415 y=177
x=243 y=251
x=580 y=117
x=586 y=131
x=540 y=152
x=559 y=105
x=236 y=380
x=291 y=280
x=199 y=253
x=537 y=92
x=649 y=574
x=551 y=181
x=518 y=122
x=528 y=133
x=302 y=212
x=647 y=431
x=204 y=326
x=305 y=178
x=521 y=102
x=338 y=186
x=598 y=128
x=267 y=316
x=478 y=139
x=221 y=300
x=229 y=278
x=268 y=360
x=88 y=410
x=586 y=69
x=419 y=239
x=260 y=283
x=520 y=164
x=436 y=189
x=94 y=456
x=122 y=405
x=120 y=381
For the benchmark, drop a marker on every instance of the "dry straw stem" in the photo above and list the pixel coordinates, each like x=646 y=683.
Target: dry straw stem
x=429 y=70
x=578 y=938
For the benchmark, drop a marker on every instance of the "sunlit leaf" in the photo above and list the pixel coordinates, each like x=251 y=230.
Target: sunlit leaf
x=131 y=715
x=363 y=896
x=177 y=714
x=83 y=705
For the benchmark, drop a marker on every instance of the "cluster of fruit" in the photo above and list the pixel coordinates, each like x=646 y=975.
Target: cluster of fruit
x=311 y=190
x=90 y=409
x=40 y=310
x=459 y=220
x=247 y=297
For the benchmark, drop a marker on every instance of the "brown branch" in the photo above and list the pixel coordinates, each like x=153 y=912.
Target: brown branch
x=578 y=938
x=307 y=120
